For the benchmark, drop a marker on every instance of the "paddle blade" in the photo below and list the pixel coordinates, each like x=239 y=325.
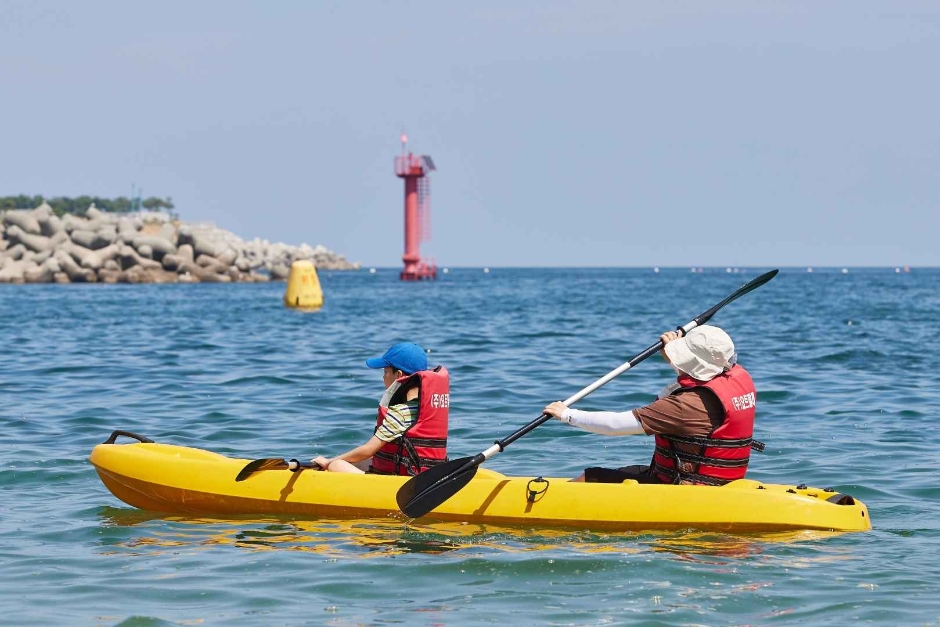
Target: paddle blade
x=268 y=463
x=424 y=492
x=748 y=287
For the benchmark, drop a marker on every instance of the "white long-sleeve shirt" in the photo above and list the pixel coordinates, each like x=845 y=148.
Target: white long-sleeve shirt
x=604 y=422
x=611 y=422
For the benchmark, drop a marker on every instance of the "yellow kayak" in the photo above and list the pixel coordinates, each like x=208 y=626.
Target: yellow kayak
x=195 y=482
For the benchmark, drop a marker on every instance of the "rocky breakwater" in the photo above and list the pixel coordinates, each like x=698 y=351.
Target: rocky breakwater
x=36 y=246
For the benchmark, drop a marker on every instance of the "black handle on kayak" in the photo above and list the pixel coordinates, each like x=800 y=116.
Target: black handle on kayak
x=274 y=463
x=118 y=433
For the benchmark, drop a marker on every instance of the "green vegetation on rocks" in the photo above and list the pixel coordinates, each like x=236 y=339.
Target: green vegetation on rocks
x=80 y=204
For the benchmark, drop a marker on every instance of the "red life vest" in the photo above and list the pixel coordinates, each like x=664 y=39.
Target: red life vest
x=723 y=455
x=424 y=444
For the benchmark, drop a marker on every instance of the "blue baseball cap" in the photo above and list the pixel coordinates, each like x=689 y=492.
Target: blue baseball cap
x=407 y=357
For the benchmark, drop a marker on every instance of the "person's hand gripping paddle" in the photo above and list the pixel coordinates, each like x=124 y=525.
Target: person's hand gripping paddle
x=425 y=491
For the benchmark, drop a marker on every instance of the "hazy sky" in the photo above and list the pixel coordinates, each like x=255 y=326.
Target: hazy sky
x=565 y=133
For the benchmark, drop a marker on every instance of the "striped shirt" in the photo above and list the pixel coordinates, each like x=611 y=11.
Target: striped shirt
x=399 y=419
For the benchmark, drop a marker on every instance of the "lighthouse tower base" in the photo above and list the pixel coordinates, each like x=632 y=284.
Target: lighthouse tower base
x=419 y=272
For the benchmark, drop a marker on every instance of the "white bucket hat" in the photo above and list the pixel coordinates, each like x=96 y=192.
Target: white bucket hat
x=703 y=354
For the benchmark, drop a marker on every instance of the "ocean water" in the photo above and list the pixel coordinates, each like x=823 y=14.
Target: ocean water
x=846 y=398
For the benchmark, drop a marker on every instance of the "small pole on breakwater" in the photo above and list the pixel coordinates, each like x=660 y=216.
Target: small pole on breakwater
x=414 y=170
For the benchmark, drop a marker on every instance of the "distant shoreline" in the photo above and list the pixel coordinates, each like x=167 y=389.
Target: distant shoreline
x=37 y=246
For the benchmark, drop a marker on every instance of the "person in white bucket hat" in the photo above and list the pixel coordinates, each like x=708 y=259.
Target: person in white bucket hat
x=703 y=354
x=703 y=422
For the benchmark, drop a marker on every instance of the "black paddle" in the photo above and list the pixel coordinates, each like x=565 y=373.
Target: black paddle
x=273 y=463
x=425 y=491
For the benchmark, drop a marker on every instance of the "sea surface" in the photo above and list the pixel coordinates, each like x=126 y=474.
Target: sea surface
x=843 y=361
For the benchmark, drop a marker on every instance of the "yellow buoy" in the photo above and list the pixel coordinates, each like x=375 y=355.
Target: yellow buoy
x=303 y=286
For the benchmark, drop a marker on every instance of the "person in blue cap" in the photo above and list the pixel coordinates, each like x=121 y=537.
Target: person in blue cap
x=411 y=427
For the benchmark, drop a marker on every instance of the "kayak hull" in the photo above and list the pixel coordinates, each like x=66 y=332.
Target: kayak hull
x=189 y=481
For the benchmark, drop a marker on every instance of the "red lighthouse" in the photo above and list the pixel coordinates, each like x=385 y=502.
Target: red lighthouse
x=415 y=171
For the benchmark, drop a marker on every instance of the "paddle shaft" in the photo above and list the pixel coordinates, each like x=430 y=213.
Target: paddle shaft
x=701 y=319
x=571 y=400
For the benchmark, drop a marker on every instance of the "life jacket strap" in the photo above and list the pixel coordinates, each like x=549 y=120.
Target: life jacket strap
x=692 y=458
x=693 y=477
x=429 y=442
x=399 y=460
x=715 y=443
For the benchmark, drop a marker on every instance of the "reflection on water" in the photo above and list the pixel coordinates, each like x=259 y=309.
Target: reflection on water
x=150 y=531
x=706 y=543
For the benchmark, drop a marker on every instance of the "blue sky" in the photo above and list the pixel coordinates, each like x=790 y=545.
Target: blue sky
x=565 y=133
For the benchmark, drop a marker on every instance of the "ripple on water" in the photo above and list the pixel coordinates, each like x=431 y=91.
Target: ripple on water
x=850 y=408
x=853 y=357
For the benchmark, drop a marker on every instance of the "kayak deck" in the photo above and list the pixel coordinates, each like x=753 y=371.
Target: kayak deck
x=189 y=481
